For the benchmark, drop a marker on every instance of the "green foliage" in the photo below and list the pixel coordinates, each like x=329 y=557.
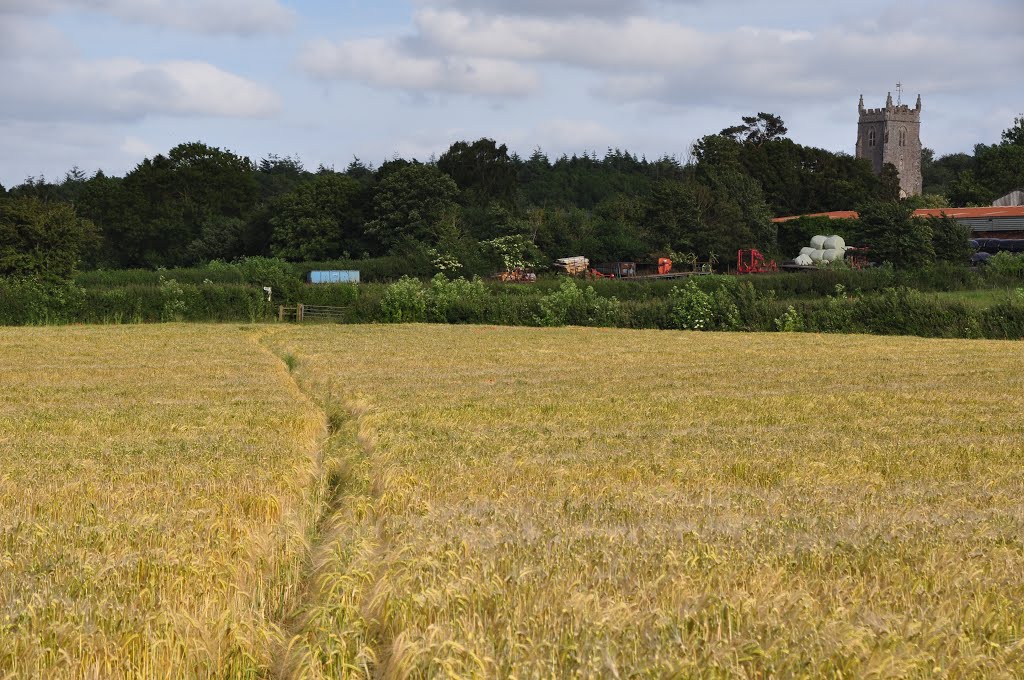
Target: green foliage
x=405 y=301
x=173 y=209
x=319 y=219
x=35 y=302
x=513 y=252
x=889 y=180
x=757 y=130
x=836 y=315
x=413 y=202
x=1014 y=135
x=905 y=311
x=950 y=240
x=482 y=170
x=272 y=272
x=42 y=240
x=174 y=300
x=692 y=308
x=894 y=236
x=790 y=322
x=927 y=201
x=456 y=301
x=576 y=306
x=1006 y=264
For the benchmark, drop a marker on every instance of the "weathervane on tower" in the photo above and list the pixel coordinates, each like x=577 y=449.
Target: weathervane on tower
x=899 y=93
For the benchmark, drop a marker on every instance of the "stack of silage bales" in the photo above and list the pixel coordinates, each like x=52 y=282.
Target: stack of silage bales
x=823 y=249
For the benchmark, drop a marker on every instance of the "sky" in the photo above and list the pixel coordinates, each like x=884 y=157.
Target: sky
x=103 y=84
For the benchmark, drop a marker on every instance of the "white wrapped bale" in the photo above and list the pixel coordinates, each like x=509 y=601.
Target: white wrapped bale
x=834 y=243
x=806 y=251
x=804 y=260
x=818 y=242
x=816 y=255
x=831 y=255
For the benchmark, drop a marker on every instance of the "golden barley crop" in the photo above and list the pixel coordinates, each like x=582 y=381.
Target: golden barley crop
x=514 y=502
x=430 y=501
x=157 y=485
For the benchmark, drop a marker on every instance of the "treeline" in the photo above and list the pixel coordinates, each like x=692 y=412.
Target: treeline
x=475 y=210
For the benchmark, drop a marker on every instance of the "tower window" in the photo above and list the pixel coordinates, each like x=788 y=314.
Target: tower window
x=871 y=137
x=903 y=136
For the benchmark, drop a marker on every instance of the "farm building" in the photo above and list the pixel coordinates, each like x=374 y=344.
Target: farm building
x=991 y=222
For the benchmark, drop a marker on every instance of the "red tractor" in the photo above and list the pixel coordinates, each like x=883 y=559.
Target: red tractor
x=752 y=261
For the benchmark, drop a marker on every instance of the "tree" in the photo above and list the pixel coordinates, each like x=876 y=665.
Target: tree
x=890 y=183
x=672 y=215
x=42 y=240
x=166 y=203
x=732 y=210
x=1000 y=168
x=966 y=190
x=483 y=170
x=950 y=240
x=757 y=130
x=412 y=203
x=276 y=175
x=1015 y=134
x=894 y=236
x=319 y=220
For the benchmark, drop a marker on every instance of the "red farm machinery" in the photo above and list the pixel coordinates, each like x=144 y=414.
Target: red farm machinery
x=753 y=261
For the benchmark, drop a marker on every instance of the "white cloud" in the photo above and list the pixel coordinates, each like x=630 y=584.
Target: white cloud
x=128 y=89
x=46 y=79
x=574 y=134
x=665 y=60
x=560 y=8
x=241 y=17
x=385 y=63
x=137 y=148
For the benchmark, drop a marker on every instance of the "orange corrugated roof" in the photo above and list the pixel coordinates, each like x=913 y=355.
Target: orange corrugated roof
x=973 y=213
x=965 y=213
x=836 y=215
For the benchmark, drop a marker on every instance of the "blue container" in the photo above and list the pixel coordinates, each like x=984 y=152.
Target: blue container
x=333 y=276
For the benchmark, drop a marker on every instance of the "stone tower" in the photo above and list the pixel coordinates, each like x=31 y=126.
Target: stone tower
x=892 y=135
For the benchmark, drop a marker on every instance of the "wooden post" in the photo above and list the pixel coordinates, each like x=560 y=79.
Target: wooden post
x=298 y=312
x=280 y=313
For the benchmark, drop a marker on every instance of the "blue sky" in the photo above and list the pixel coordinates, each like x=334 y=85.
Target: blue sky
x=105 y=83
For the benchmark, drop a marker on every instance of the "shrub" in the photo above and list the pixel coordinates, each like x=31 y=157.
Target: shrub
x=33 y=302
x=836 y=315
x=174 y=300
x=790 y=322
x=572 y=305
x=691 y=307
x=404 y=301
x=1006 y=264
x=904 y=311
x=272 y=272
x=461 y=299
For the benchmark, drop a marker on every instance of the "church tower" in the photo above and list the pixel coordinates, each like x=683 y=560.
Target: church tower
x=892 y=135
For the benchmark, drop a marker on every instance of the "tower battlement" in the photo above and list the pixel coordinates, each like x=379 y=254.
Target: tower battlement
x=892 y=135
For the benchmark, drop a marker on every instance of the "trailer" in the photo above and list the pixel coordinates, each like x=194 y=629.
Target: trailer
x=644 y=271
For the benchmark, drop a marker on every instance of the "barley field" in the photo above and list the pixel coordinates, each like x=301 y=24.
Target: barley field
x=434 y=501
x=585 y=502
x=155 y=497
